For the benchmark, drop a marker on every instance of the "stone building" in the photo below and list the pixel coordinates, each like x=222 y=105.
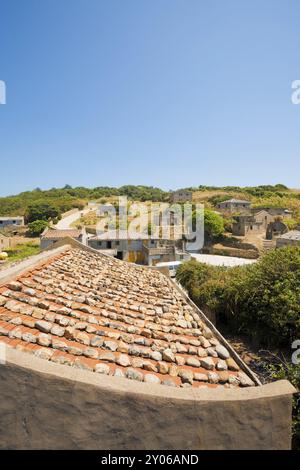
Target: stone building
x=181 y=195
x=244 y=224
x=291 y=238
x=264 y=217
x=112 y=355
x=136 y=248
x=51 y=236
x=278 y=212
x=234 y=206
x=11 y=222
x=259 y=221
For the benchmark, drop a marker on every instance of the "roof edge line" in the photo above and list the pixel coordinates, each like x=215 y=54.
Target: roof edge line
x=218 y=335
x=27 y=264
x=124 y=385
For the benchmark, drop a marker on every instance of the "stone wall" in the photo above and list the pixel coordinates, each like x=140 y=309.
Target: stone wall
x=49 y=406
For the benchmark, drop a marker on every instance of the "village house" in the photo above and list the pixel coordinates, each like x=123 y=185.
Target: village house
x=291 y=238
x=137 y=248
x=276 y=212
x=264 y=217
x=234 y=206
x=118 y=244
x=244 y=224
x=262 y=221
x=121 y=348
x=11 y=221
x=181 y=195
x=51 y=236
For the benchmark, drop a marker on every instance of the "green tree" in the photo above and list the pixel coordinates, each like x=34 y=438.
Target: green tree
x=37 y=227
x=213 y=224
x=41 y=211
x=261 y=300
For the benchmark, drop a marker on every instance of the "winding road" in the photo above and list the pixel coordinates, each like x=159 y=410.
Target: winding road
x=65 y=222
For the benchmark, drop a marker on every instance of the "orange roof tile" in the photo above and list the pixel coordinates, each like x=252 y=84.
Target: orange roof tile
x=86 y=310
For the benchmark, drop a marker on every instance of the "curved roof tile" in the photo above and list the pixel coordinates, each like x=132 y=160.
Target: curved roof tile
x=87 y=310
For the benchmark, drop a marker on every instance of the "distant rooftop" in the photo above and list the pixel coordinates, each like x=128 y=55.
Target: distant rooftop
x=292 y=235
x=59 y=234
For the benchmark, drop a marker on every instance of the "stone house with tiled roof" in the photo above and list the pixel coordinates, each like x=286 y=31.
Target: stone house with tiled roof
x=51 y=236
x=243 y=224
x=181 y=195
x=126 y=359
x=137 y=247
x=234 y=206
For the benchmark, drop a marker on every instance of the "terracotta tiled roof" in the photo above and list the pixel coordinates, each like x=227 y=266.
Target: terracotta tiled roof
x=60 y=234
x=94 y=312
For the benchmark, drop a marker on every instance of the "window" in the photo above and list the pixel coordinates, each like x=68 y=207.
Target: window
x=108 y=245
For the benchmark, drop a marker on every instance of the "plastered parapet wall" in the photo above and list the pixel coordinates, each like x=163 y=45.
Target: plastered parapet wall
x=44 y=405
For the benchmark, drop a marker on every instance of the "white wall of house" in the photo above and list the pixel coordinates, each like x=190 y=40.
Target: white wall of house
x=11 y=221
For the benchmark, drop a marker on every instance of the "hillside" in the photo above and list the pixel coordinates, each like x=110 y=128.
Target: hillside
x=63 y=199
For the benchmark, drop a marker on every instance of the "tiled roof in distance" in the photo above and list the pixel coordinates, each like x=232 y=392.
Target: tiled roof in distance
x=60 y=234
x=87 y=310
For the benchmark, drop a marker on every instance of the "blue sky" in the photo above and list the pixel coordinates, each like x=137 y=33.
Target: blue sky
x=170 y=93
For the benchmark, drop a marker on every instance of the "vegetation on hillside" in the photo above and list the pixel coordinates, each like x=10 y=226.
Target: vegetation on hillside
x=213 y=224
x=261 y=301
x=37 y=227
x=64 y=199
x=278 y=196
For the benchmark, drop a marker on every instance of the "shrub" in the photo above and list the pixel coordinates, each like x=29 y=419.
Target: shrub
x=37 y=227
x=261 y=300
